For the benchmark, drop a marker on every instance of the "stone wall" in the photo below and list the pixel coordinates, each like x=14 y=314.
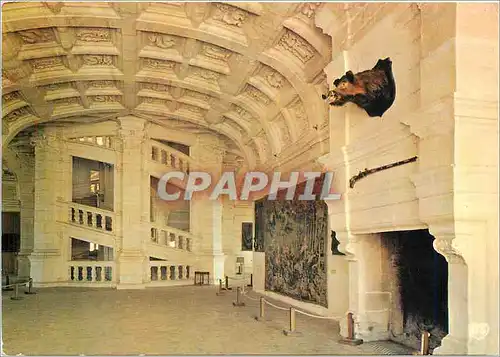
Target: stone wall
x=234 y=214
x=446 y=114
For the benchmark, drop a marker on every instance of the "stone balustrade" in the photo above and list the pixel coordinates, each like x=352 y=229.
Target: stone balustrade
x=161 y=270
x=91 y=271
x=101 y=141
x=170 y=157
x=172 y=237
x=91 y=217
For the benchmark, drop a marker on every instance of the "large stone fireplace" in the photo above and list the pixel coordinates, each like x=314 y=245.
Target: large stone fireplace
x=451 y=127
x=416 y=277
x=398 y=287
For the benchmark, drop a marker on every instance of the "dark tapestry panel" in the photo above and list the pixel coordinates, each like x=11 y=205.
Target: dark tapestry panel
x=246 y=235
x=294 y=235
x=259 y=227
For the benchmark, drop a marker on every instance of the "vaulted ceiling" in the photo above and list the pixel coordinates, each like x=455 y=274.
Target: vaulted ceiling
x=250 y=73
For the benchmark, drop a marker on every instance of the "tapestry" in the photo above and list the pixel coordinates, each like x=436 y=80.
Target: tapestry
x=294 y=238
x=259 y=227
x=246 y=236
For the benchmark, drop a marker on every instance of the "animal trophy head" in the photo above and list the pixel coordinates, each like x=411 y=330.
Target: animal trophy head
x=374 y=90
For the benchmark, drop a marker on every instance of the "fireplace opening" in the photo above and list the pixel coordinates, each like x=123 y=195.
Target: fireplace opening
x=418 y=279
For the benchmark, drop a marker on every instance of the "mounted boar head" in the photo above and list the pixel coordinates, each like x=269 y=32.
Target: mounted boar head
x=374 y=90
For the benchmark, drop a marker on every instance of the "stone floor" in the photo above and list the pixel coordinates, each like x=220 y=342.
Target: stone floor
x=173 y=320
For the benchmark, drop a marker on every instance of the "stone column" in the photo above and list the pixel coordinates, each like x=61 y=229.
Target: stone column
x=27 y=188
x=476 y=169
x=458 y=317
x=132 y=204
x=341 y=270
x=207 y=228
x=458 y=164
x=108 y=187
x=52 y=177
x=368 y=302
x=392 y=255
x=219 y=256
x=206 y=214
x=374 y=301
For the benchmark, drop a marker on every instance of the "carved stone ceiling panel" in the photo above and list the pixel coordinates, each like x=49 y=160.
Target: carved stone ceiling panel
x=243 y=71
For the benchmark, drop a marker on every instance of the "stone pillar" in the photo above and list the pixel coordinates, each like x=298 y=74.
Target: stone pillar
x=52 y=177
x=433 y=123
x=206 y=214
x=27 y=184
x=458 y=164
x=476 y=169
x=472 y=299
x=393 y=285
x=368 y=302
x=207 y=227
x=219 y=256
x=458 y=317
x=349 y=246
x=108 y=187
x=374 y=301
x=133 y=204
x=341 y=270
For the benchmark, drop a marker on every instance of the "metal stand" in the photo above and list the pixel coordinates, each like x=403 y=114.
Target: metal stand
x=238 y=301
x=221 y=289
x=261 y=310
x=16 y=293
x=292 y=328
x=227 y=284
x=424 y=345
x=251 y=281
x=30 y=287
x=350 y=340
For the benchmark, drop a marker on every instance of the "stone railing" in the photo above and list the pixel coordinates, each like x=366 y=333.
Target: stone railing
x=162 y=270
x=101 y=141
x=91 y=271
x=174 y=159
x=172 y=237
x=91 y=217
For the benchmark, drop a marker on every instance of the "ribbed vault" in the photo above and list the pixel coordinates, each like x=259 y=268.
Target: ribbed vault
x=251 y=73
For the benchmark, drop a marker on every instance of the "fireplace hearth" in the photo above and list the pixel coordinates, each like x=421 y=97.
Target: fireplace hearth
x=417 y=277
